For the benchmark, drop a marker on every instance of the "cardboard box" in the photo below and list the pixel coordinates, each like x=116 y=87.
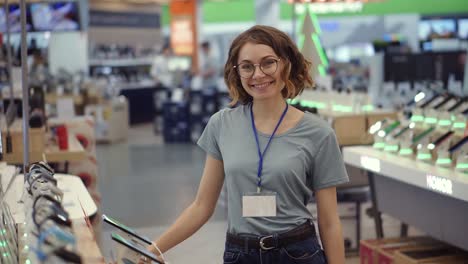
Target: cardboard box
x=368 y=249
x=386 y=253
x=351 y=130
x=37 y=141
x=438 y=254
x=111 y=120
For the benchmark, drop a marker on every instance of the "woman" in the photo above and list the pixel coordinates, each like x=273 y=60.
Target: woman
x=272 y=157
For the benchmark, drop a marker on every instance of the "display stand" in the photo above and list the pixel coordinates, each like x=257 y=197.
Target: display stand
x=76 y=199
x=433 y=199
x=39 y=146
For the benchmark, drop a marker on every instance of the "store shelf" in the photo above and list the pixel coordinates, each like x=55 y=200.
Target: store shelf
x=449 y=182
x=52 y=98
x=121 y=62
x=76 y=199
x=432 y=199
x=52 y=153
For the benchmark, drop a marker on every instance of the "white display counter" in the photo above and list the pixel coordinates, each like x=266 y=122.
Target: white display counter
x=433 y=199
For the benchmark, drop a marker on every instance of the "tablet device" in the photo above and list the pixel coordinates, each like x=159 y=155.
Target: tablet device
x=423 y=134
x=125 y=229
x=458 y=145
x=442 y=139
x=443 y=102
x=401 y=131
x=465 y=112
x=455 y=106
x=430 y=100
x=391 y=127
x=138 y=249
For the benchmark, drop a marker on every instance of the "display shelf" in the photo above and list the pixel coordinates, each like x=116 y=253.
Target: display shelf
x=352 y=128
x=52 y=153
x=86 y=242
x=430 y=198
x=52 y=98
x=76 y=199
x=441 y=180
x=121 y=62
x=377 y=113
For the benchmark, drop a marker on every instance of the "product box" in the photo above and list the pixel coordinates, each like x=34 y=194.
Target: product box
x=386 y=253
x=12 y=143
x=369 y=249
x=350 y=130
x=438 y=254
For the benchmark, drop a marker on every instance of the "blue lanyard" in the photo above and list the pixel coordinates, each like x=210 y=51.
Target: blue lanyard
x=260 y=154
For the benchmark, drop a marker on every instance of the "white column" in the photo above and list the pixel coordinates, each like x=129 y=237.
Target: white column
x=267 y=12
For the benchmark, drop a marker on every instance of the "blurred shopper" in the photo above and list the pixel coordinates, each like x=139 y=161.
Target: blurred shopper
x=273 y=159
x=210 y=68
x=160 y=68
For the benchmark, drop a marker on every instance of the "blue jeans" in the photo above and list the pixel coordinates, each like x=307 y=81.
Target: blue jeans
x=307 y=251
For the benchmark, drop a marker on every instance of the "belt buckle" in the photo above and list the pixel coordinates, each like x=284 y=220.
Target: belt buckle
x=262 y=244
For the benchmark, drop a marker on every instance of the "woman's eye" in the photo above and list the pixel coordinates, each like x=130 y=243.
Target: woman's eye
x=268 y=63
x=246 y=67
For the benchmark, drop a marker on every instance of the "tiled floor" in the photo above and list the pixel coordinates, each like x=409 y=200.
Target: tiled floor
x=146 y=184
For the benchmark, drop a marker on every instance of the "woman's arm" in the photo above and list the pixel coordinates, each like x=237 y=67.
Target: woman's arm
x=201 y=209
x=329 y=225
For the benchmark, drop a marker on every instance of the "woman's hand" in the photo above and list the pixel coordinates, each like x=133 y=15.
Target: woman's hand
x=146 y=260
x=151 y=248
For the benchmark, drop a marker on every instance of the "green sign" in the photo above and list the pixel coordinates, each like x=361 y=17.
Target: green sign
x=244 y=10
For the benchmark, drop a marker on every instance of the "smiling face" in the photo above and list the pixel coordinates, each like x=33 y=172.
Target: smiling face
x=265 y=82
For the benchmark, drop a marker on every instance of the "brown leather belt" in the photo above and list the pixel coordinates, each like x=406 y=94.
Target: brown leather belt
x=300 y=233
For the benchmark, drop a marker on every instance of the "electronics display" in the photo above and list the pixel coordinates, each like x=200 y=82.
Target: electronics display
x=455 y=106
x=458 y=145
x=57 y=16
x=41 y=16
x=401 y=132
x=136 y=248
x=399 y=67
x=125 y=229
x=422 y=135
x=14 y=18
x=443 y=102
x=463 y=28
x=437 y=28
x=349 y=52
x=440 y=140
x=430 y=100
x=433 y=66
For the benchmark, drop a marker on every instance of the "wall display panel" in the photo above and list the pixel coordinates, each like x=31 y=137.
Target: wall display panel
x=399 y=67
x=58 y=16
x=435 y=66
x=463 y=28
x=14 y=18
x=437 y=28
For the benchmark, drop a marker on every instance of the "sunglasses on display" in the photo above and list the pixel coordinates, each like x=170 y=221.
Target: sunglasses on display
x=247 y=69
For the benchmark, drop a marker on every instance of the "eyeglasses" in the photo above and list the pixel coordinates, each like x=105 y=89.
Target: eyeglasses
x=268 y=66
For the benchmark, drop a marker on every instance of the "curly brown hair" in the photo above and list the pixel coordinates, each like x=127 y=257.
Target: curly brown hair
x=296 y=68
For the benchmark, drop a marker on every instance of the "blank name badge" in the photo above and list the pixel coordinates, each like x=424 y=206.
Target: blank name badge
x=259 y=205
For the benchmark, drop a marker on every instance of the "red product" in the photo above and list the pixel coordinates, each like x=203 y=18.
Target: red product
x=62 y=137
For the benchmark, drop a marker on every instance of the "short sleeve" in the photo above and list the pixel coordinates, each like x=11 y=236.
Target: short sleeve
x=328 y=168
x=209 y=140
